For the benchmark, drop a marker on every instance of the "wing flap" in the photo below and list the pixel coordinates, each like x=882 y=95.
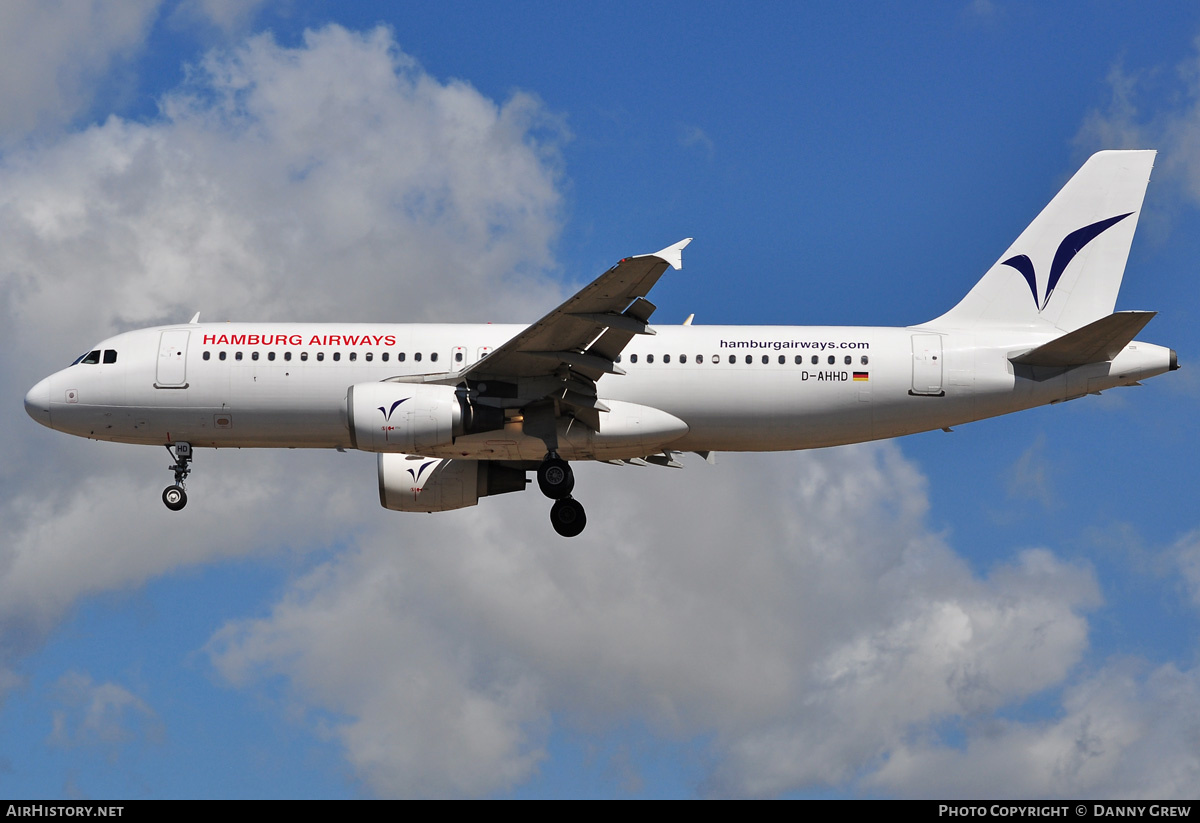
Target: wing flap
x=1097 y=342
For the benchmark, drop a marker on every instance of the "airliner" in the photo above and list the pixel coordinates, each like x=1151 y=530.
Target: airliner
x=460 y=412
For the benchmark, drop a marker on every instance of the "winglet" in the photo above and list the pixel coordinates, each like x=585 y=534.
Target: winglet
x=195 y=319
x=673 y=254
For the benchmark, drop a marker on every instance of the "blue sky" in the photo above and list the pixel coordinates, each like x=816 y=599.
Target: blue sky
x=1007 y=610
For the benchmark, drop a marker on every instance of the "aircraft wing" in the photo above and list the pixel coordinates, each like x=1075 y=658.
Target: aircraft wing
x=585 y=334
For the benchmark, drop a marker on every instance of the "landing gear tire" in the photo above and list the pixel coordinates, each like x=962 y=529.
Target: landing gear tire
x=174 y=498
x=555 y=478
x=567 y=517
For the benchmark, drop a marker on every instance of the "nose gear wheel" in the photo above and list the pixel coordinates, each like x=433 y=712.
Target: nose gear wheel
x=174 y=497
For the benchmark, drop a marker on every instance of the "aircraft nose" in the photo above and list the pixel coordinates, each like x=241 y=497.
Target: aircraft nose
x=37 y=402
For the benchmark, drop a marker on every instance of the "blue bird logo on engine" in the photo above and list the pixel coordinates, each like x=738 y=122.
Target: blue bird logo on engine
x=387 y=415
x=416 y=473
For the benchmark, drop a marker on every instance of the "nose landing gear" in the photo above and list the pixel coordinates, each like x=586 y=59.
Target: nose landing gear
x=556 y=480
x=174 y=497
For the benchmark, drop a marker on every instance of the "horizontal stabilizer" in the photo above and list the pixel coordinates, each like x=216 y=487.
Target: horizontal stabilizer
x=1097 y=342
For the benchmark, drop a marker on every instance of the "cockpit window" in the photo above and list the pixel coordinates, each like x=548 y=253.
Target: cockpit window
x=110 y=355
x=91 y=358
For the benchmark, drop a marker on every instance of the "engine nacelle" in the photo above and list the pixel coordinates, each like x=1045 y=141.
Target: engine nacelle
x=412 y=417
x=427 y=484
x=401 y=417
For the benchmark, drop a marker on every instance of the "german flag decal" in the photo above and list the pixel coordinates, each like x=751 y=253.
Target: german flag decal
x=861 y=375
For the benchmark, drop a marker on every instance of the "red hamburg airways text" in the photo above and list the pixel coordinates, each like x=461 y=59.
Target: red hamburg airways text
x=298 y=340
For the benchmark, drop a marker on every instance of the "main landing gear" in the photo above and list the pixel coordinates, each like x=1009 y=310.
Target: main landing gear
x=174 y=497
x=556 y=480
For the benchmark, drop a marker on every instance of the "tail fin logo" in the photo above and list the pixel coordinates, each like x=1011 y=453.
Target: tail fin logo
x=1070 y=246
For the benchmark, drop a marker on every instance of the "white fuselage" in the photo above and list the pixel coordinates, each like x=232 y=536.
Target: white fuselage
x=737 y=388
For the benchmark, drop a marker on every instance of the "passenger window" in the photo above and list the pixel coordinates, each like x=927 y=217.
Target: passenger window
x=633 y=358
x=766 y=359
x=832 y=359
x=353 y=356
x=417 y=356
x=110 y=355
x=337 y=355
x=649 y=358
x=732 y=358
x=815 y=360
x=206 y=355
x=864 y=360
x=221 y=356
x=666 y=358
x=716 y=358
x=270 y=355
x=683 y=358
x=237 y=356
x=92 y=358
x=254 y=355
x=849 y=360
x=749 y=360
x=433 y=357
x=799 y=359
x=400 y=357
x=320 y=356
x=368 y=356
x=458 y=357
x=384 y=357
x=618 y=360
x=303 y=355
x=782 y=359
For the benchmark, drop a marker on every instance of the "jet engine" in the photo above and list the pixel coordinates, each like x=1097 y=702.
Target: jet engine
x=412 y=417
x=427 y=484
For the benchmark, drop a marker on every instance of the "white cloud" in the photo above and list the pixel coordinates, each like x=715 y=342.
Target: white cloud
x=694 y=137
x=54 y=55
x=101 y=714
x=791 y=608
x=228 y=16
x=1029 y=478
x=1127 y=121
x=280 y=175
x=1185 y=555
x=335 y=180
x=1123 y=734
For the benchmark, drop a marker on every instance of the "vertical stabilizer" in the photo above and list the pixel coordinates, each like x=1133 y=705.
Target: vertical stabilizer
x=1065 y=269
